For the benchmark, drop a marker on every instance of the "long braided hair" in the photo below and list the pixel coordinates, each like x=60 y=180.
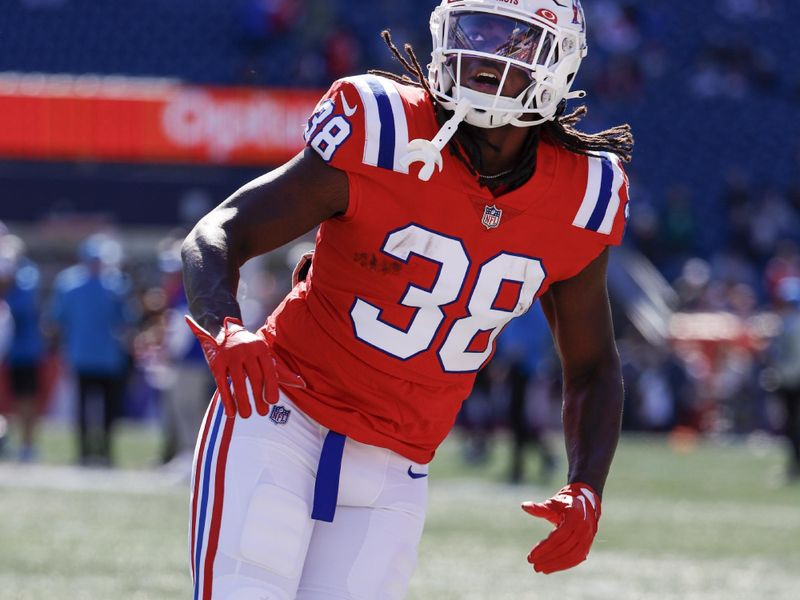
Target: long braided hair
x=467 y=141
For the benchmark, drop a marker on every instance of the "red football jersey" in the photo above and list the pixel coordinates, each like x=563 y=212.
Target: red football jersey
x=409 y=289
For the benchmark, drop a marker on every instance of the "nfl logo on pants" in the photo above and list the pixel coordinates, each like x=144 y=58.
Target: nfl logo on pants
x=491 y=217
x=279 y=415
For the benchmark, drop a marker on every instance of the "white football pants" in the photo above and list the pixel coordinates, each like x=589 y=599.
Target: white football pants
x=254 y=487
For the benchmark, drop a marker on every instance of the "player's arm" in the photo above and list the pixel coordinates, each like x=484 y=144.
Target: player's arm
x=580 y=318
x=264 y=214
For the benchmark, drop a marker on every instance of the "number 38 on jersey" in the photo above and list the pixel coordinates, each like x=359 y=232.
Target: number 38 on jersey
x=453 y=263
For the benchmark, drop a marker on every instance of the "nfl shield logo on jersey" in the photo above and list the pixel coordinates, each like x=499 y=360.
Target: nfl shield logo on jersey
x=279 y=415
x=491 y=217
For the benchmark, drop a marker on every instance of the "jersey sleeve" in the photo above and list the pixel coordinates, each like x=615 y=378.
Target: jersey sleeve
x=604 y=209
x=360 y=124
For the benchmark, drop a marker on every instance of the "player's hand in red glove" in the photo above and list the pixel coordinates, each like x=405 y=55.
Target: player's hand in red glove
x=236 y=356
x=575 y=511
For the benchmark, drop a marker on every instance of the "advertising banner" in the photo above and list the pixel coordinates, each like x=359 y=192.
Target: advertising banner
x=121 y=119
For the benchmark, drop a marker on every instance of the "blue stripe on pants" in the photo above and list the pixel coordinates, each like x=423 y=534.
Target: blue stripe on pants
x=326 y=487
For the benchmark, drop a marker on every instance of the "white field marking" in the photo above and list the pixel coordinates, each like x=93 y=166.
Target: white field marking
x=481 y=494
x=79 y=479
x=457 y=569
x=457 y=564
x=696 y=510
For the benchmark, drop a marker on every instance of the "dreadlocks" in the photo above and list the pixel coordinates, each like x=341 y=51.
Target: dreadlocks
x=561 y=131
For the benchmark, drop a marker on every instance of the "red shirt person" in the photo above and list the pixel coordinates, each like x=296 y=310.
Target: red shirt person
x=446 y=206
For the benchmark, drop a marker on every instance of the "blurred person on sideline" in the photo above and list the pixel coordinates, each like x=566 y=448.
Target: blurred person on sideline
x=90 y=315
x=785 y=355
x=6 y=333
x=7 y=270
x=188 y=382
x=6 y=320
x=658 y=406
x=6 y=276
x=523 y=349
x=476 y=419
x=19 y=284
x=6 y=329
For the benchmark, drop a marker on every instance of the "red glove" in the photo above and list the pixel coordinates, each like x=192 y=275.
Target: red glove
x=575 y=511
x=237 y=355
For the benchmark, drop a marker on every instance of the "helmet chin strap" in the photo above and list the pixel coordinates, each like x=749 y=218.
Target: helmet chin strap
x=429 y=152
x=576 y=95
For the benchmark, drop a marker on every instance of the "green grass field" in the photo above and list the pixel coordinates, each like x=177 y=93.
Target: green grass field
x=715 y=522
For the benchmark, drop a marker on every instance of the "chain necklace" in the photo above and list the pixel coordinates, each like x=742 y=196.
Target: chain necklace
x=498 y=176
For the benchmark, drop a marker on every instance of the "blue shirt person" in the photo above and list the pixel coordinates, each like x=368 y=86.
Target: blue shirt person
x=90 y=311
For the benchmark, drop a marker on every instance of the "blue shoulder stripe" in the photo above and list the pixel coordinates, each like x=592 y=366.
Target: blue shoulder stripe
x=599 y=212
x=387 y=139
x=385 y=123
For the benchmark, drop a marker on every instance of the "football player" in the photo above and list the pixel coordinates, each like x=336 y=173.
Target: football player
x=447 y=203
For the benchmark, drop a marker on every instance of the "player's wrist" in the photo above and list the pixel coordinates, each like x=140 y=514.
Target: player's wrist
x=588 y=494
x=594 y=483
x=213 y=320
x=577 y=485
x=230 y=327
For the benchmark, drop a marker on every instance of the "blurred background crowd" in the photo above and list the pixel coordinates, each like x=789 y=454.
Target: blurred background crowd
x=705 y=291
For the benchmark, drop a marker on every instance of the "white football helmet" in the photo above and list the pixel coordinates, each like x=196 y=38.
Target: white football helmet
x=485 y=51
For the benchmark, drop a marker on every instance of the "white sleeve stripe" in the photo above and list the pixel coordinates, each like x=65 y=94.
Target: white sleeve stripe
x=613 y=206
x=376 y=132
x=592 y=195
x=400 y=124
x=372 y=121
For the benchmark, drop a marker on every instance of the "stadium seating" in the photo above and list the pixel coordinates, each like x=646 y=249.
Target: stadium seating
x=682 y=136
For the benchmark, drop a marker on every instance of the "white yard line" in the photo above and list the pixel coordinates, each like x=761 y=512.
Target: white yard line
x=79 y=479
